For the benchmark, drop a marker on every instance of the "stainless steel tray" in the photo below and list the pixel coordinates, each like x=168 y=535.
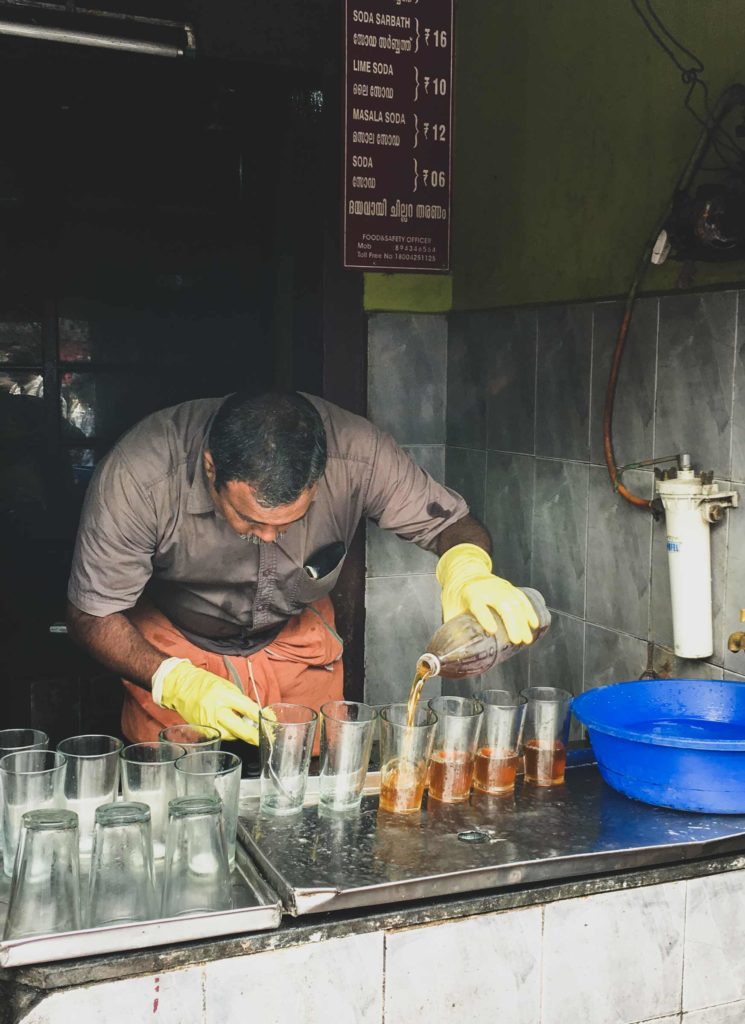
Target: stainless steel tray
x=255 y=908
x=320 y=861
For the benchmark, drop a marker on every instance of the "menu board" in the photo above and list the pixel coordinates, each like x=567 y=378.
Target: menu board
x=398 y=134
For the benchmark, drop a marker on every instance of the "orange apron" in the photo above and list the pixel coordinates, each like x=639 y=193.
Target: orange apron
x=302 y=665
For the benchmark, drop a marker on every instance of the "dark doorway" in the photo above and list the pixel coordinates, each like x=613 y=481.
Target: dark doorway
x=162 y=229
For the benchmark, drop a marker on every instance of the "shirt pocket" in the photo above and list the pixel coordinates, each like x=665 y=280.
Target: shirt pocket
x=306 y=588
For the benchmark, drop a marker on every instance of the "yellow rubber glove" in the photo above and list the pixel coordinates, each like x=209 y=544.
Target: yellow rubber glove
x=202 y=698
x=468 y=585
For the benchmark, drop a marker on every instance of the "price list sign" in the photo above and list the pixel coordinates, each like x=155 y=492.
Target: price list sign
x=397 y=142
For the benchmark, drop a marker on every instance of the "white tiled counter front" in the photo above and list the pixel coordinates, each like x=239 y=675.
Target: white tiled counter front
x=672 y=952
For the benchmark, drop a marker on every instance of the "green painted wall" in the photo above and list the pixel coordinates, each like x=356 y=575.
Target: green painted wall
x=570 y=133
x=414 y=293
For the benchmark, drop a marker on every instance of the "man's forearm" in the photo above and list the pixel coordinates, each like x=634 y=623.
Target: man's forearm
x=466 y=531
x=116 y=643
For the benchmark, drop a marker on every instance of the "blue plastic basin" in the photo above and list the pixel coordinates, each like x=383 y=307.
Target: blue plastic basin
x=671 y=742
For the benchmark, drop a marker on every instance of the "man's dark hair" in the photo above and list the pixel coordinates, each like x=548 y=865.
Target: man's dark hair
x=274 y=442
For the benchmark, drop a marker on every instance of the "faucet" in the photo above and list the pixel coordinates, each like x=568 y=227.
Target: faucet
x=736 y=640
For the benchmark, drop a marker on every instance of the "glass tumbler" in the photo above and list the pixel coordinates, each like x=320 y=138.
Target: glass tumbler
x=13 y=740
x=286 y=733
x=347 y=730
x=404 y=755
x=498 y=750
x=454 y=752
x=91 y=779
x=197 y=876
x=191 y=737
x=149 y=777
x=45 y=890
x=121 y=886
x=546 y=734
x=31 y=780
x=214 y=773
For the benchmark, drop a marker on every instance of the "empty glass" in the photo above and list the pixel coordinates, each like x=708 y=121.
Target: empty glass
x=546 y=734
x=347 y=730
x=91 y=779
x=31 y=780
x=13 y=740
x=191 y=737
x=498 y=751
x=214 y=772
x=45 y=891
x=121 y=887
x=197 y=876
x=149 y=777
x=454 y=752
x=404 y=755
x=286 y=733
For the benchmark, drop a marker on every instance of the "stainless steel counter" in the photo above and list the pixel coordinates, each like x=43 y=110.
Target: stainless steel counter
x=320 y=861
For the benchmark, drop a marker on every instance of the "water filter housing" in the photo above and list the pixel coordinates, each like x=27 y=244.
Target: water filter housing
x=691 y=505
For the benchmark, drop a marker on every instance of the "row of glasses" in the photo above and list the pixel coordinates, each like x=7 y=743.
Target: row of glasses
x=157 y=772
x=45 y=888
x=82 y=775
x=459 y=743
x=286 y=734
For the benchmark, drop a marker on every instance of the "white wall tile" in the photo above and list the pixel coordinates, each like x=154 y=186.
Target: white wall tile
x=481 y=969
x=339 y=981
x=730 y=1013
x=616 y=958
x=715 y=941
x=172 y=998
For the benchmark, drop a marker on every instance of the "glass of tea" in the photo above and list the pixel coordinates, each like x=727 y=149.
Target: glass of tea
x=454 y=752
x=545 y=734
x=405 y=749
x=498 y=750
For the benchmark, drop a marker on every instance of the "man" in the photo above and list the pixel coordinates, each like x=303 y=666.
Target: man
x=212 y=535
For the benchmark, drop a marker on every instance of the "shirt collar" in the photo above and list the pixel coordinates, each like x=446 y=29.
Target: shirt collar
x=200 y=499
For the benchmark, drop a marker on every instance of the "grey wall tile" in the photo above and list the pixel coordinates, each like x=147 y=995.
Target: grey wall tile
x=694 y=389
x=633 y=415
x=734 y=593
x=714 y=938
x=557 y=659
x=738 y=409
x=669 y=666
x=510 y=399
x=729 y=1013
x=387 y=554
x=612 y=657
x=402 y=614
x=560 y=534
x=563 y=382
x=614 y=958
x=661 y=613
x=468 y=353
x=483 y=968
x=734 y=677
x=618 y=554
x=465 y=472
x=512 y=675
x=406 y=382
x=508 y=513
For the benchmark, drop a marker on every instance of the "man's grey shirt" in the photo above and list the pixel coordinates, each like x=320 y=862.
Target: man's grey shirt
x=149 y=526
